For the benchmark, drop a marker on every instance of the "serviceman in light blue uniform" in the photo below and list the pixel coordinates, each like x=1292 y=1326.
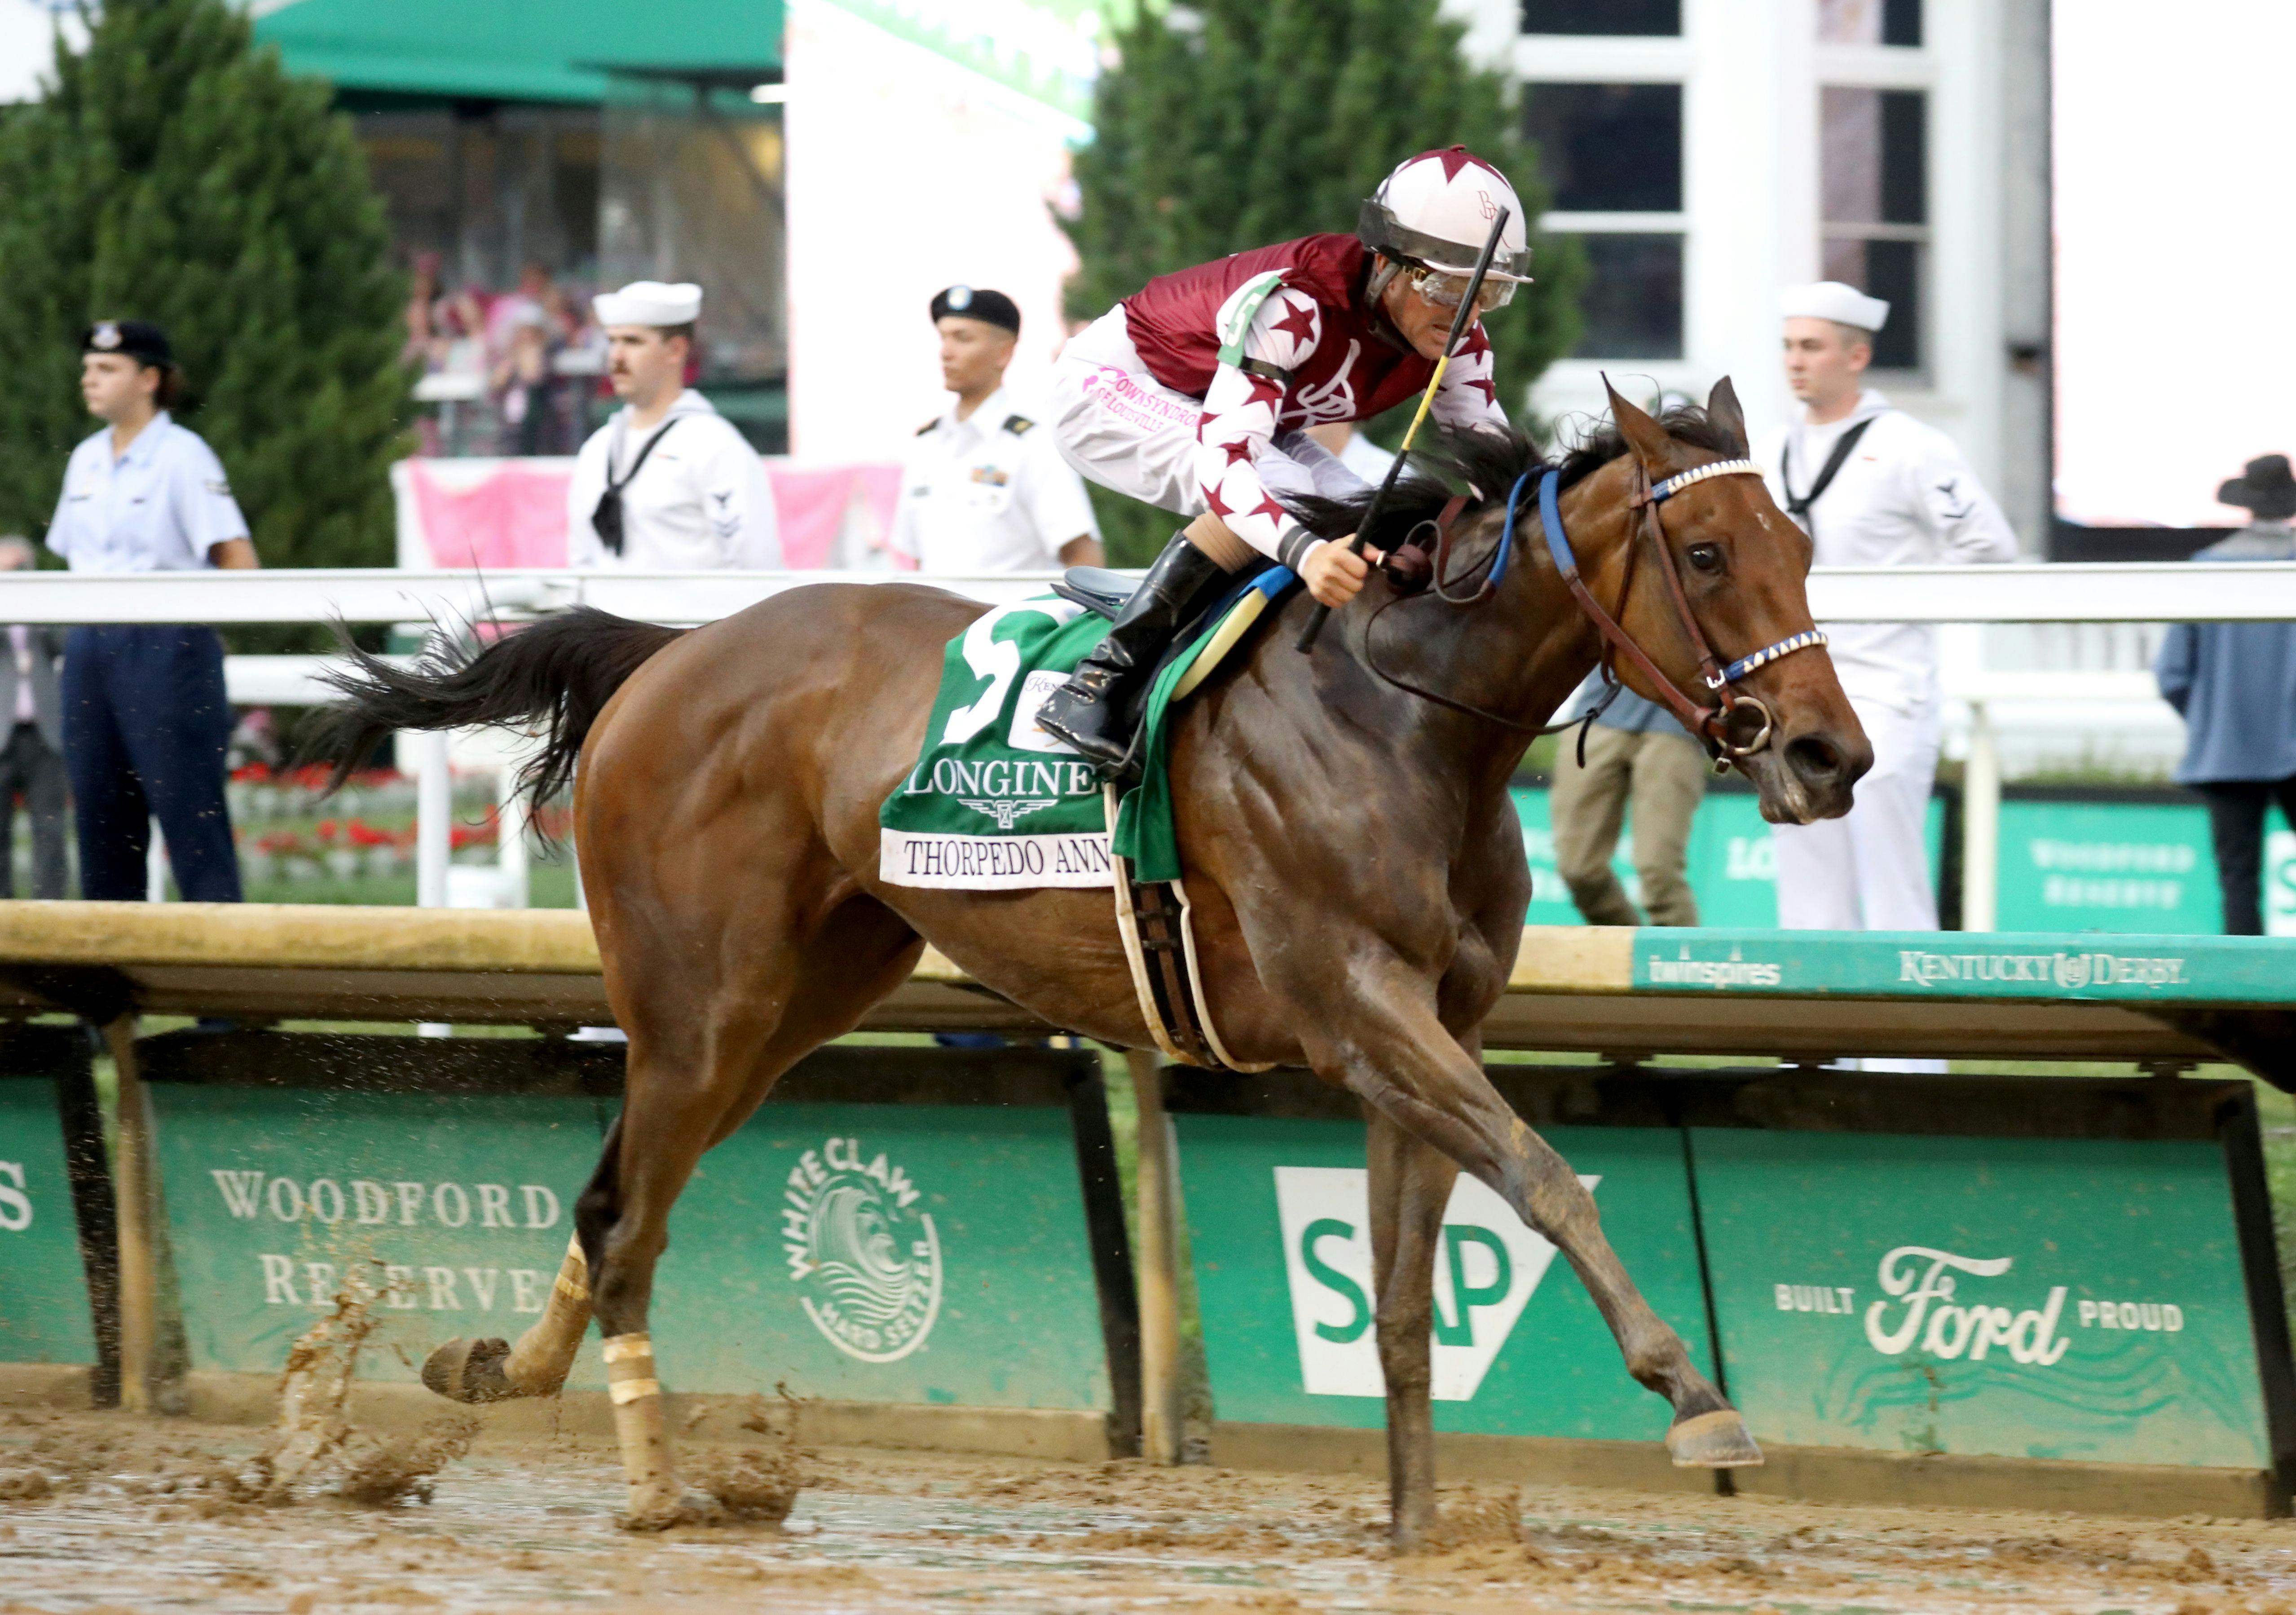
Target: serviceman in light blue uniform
x=146 y=722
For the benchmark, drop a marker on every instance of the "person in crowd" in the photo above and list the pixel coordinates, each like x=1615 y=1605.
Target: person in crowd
x=523 y=387
x=668 y=483
x=145 y=720
x=1873 y=487
x=1637 y=755
x=419 y=352
x=985 y=489
x=32 y=762
x=506 y=313
x=2235 y=685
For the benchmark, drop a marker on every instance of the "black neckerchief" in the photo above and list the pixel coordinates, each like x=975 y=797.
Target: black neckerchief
x=1798 y=504
x=606 y=521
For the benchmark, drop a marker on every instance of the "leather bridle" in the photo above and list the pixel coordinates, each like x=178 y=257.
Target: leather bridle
x=1715 y=723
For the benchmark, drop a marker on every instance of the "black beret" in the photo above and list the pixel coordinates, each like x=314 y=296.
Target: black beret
x=138 y=340
x=972 y=303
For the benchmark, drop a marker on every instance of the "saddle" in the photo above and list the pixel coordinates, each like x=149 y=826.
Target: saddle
x=1153 y=917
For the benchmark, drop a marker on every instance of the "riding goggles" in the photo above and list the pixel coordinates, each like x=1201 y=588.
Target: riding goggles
x=1447 y=290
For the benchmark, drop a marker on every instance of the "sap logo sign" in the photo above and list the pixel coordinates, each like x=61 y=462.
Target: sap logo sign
x=1486 y=1268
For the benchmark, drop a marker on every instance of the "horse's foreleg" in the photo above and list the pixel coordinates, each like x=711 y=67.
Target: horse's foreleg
x=494 y=1371
x=1410 y=1185
x=1397 y=1055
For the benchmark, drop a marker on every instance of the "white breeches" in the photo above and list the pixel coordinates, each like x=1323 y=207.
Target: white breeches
x=1868 y=870
x=1123 y=429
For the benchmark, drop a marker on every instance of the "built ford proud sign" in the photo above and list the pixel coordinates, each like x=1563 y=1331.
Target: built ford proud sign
x=2008 y=1290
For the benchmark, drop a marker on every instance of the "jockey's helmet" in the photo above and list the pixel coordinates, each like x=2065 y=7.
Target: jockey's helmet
x=1432 y=215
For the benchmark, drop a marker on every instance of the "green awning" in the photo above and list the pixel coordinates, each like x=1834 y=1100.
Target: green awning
x=524 y=50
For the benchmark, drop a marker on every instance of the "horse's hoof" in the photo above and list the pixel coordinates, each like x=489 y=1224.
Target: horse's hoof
x=1713 y=1440
x=659 y=1512
x=470 y=1371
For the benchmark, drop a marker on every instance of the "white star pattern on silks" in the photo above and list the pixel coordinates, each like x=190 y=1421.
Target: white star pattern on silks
x=1241 y=411
x=1469 y=398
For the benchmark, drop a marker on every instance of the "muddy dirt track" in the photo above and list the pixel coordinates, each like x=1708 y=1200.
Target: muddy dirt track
x=138 y=1515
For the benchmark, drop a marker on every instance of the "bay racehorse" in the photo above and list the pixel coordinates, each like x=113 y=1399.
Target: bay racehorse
x=1356 y=867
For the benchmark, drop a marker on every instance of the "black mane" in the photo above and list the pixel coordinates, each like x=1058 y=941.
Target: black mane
x=1485 y=465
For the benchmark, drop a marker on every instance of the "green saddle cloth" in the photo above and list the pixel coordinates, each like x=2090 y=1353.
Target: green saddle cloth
x=995 y=803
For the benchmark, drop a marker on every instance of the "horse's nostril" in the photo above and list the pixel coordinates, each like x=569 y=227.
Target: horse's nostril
x=1816 y=758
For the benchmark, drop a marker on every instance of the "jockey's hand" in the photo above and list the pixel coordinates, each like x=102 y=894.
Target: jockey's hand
x=1334 y=574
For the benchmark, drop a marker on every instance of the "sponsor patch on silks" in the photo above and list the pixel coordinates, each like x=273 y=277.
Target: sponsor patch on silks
x=995 y=803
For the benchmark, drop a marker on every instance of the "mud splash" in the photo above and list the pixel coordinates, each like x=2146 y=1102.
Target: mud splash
x=314 y=1450
x=758 y=1485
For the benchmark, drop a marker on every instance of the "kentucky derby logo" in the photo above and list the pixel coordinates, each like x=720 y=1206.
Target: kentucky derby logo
x=867 y=1260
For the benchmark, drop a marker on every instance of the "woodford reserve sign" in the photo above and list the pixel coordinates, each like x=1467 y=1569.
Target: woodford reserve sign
x=900 y=1252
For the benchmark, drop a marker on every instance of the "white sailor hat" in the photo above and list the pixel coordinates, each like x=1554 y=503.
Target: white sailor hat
x=1832 y=301
x=649 y=303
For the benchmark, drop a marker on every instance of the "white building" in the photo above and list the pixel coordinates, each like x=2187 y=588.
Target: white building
x=1709 y=153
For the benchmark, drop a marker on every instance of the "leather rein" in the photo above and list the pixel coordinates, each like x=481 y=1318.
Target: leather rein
x=1715 y=723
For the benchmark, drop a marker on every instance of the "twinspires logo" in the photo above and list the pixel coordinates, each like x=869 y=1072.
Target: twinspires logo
x=1486 y=1267
x=866 y=1261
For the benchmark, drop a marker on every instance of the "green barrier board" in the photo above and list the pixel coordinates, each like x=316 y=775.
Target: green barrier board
x=2127 y=866
x=275 y=1197
x=2063 y=1299
x=1732 y=865
x=1954 y=964
x=44 y=1313
x=1276 y=1217
x=887 y=1254
x=904 y=1252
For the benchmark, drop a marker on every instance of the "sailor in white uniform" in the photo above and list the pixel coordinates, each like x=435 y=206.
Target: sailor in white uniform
x=667 y=484
x=984 y=488
x=1873 y=487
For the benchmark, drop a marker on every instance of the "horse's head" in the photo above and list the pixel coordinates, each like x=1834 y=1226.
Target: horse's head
x=1742 y=566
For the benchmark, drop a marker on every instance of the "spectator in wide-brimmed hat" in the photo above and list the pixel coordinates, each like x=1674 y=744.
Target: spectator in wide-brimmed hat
x=2235 y=683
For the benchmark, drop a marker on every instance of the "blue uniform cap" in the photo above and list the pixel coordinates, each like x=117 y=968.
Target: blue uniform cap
x=138 y=340
x=974 y=303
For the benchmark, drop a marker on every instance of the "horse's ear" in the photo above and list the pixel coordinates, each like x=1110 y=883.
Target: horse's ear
x=1722 y=409
x=1649 y=441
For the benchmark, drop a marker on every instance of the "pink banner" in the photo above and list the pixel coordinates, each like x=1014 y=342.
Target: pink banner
x=514 y=514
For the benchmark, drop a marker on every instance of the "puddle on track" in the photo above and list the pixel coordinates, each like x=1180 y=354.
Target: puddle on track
x=524 y=1524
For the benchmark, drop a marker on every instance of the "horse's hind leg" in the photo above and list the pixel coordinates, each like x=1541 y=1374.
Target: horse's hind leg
x=1410 y=1184
x=703 y=1054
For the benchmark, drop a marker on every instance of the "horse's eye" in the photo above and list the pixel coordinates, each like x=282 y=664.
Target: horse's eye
x=1706 y=557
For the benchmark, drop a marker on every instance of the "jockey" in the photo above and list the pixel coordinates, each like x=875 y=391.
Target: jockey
x=1194 y=395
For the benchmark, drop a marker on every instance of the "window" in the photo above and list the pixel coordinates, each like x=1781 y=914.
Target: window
x=1874 y=194
x=1631 y=305
x=1870 y=22
x=1643 y=17
x=1608 y=147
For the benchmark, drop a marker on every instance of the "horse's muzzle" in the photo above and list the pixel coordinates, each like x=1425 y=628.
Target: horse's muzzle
x=1816 y=771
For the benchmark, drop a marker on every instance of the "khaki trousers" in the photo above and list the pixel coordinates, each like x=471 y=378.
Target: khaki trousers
x=1664 y=775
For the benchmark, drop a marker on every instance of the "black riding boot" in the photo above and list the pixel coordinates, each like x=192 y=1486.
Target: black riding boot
x=1094 y=710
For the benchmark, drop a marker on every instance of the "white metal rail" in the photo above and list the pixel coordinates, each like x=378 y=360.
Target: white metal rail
x=2178 y=592
x=2027 y=593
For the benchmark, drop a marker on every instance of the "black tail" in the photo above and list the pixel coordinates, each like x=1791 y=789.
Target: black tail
x=562 y=670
